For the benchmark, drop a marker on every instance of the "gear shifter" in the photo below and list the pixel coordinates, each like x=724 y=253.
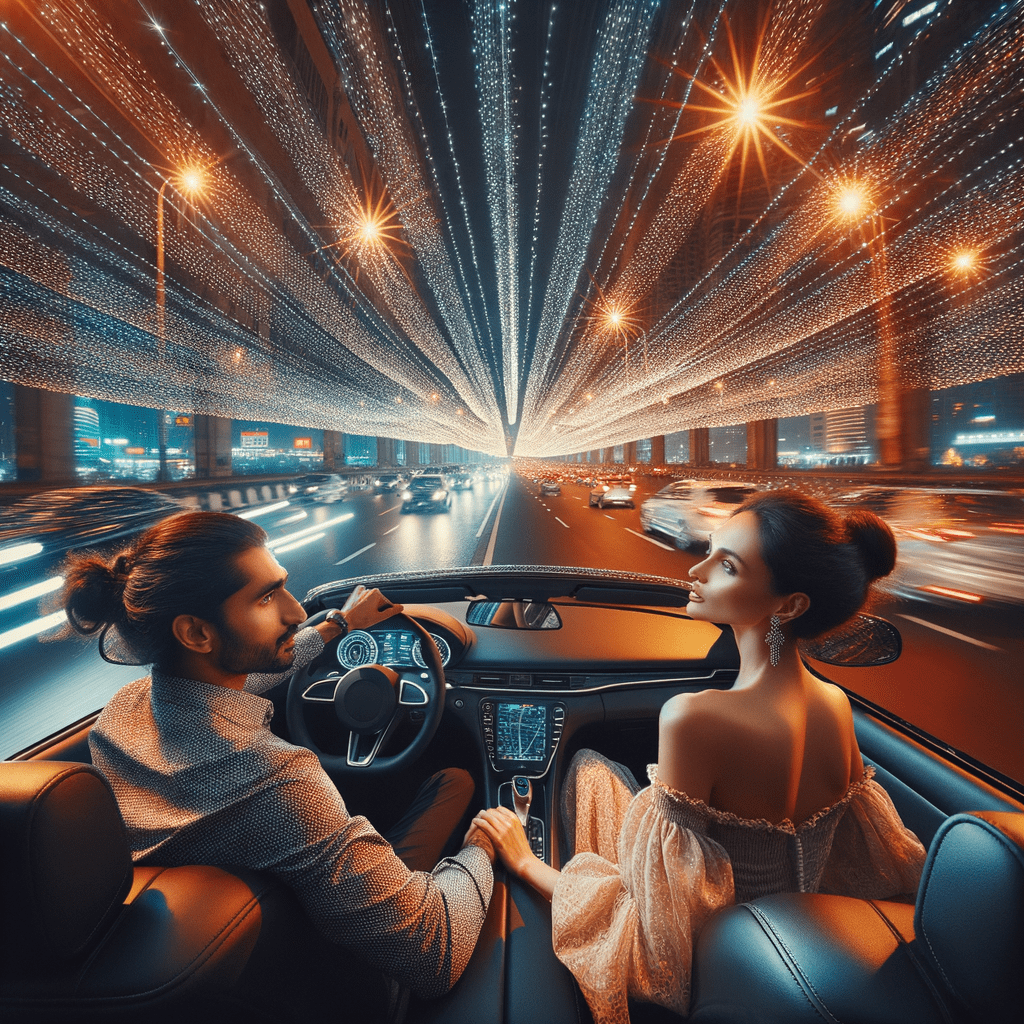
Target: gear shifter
x=522 y=794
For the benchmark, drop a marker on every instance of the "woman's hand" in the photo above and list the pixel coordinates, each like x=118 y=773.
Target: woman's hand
x=505 y=831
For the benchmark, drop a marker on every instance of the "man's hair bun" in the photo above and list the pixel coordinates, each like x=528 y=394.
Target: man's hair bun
x=94 y=592
x=874 y=540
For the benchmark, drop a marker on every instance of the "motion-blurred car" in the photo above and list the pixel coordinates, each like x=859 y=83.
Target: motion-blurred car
x=550 y=487
x=428 y=492
x=42 y=527
x=461 y=481
x=687 y=511
x=325 y=487
x=957 y=547
x=388 y=483
x=610 y=491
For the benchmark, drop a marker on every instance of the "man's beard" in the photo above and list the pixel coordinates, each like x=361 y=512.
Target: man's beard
x=239 y=654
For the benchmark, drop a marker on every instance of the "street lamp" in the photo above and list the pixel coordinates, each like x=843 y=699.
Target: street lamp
x=188 y=182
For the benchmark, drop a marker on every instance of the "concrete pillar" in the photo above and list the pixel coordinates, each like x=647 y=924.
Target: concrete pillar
x=436 y=454
x=595 y=455
x=700 y=447
x=386 y=452
x=334 y=450
x=763 y=444
x=629 y=453
x=44 y=435
x=213 y=446
x=658 y=450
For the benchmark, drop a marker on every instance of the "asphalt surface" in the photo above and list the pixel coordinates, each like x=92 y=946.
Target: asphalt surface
x=959 y=678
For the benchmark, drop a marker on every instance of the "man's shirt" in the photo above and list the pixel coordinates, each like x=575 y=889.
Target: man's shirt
x=201 y=779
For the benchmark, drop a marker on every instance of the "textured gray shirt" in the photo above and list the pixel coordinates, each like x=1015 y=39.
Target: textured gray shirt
x=201 y=779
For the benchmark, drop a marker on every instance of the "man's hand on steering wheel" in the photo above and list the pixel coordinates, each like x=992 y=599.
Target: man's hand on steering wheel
x=362 y=609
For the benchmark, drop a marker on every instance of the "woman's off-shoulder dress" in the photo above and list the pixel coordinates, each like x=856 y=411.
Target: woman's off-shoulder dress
x=652 y=865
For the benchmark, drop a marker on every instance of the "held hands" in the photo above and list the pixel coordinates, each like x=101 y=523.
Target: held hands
x=505 y=831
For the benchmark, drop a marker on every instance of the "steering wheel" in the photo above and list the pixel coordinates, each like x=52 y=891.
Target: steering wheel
x=369 y=702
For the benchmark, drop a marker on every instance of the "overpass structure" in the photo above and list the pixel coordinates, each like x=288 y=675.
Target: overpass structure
x=516 y=228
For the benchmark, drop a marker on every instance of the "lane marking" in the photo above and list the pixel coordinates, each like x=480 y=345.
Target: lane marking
x=301 y=543
x=356 y=554
x=650 y=540
x=387 y=510
x=488 y=558
x=951 y=632
x=577 y=497
x=566 y=525
x=489 y=511
x=612 y=518
x=275 y=545
x=392 y=530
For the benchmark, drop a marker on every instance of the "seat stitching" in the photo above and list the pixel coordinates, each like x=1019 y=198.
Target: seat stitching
x=992 y=830
x=915 y=960
x=791 y=963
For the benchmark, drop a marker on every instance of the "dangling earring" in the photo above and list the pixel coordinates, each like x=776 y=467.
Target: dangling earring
x=775 y=639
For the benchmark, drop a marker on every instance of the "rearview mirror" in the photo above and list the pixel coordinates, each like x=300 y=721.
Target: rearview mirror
x=863 y=642
x=513 y=614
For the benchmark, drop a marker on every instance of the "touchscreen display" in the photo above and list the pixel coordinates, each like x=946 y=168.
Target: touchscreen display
x=522 y=732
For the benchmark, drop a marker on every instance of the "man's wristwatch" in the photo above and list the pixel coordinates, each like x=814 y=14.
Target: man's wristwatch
x=339 y=620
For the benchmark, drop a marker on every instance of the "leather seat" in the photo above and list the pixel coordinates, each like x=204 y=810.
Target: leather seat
x=954 y=956
x=85 y=936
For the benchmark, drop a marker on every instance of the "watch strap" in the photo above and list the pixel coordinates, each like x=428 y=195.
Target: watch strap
x=339 y=620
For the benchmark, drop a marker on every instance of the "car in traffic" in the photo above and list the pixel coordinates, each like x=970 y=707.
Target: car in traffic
x=550 y=487
x=461 y=481
x=388 y=483
x=323 y=487
x=686 y=511
x=505 y=672
x=428 y=492
x=40 y=528
x=612 y=491
x=958 y=547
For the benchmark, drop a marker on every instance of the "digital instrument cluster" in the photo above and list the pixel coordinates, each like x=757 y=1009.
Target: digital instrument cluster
x=387 y=647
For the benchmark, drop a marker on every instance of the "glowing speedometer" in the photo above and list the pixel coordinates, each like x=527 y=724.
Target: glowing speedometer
x=358 y=648
x=442 y=647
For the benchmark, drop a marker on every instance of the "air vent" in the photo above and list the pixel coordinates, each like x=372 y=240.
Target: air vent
x=499 y=679
x=551 y=682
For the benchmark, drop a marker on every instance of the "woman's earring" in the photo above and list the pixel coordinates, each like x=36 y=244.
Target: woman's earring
x=775 y=639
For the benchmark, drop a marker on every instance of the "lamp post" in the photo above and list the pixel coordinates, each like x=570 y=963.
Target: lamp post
x=188 y=182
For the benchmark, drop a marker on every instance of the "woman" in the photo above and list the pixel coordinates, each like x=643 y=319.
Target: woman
x=758 y=789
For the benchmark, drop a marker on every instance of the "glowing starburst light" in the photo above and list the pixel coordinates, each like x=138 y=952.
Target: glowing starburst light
x=747 y=104
x=965 y=263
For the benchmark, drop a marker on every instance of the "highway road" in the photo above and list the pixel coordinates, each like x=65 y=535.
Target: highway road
x=959 y=677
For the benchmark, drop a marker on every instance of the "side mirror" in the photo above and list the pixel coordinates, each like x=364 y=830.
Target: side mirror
x=864 y=642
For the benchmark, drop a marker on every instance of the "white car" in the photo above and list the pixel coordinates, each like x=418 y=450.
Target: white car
x=688 y=510
x=612 y=490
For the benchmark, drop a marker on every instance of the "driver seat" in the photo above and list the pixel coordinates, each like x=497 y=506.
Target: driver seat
x=85 y=936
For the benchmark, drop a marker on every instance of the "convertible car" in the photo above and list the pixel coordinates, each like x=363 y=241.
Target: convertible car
x=506 y=672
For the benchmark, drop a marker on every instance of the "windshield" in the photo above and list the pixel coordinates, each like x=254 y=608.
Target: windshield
x=263 y=257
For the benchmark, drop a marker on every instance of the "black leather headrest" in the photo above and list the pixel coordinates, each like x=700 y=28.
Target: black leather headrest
x=65 y=866
x=969 y=918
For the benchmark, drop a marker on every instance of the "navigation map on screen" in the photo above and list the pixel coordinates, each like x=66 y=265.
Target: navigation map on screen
x=522 y=732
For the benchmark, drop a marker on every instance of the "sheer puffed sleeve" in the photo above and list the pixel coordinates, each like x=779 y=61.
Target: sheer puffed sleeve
x=627 y=929
x=874 y=855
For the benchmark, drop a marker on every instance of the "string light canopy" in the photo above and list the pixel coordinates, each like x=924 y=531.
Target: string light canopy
x=509 y=223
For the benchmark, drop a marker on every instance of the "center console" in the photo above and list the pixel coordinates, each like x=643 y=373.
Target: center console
x=521 y=738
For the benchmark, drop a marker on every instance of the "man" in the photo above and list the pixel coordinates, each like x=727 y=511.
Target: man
x=200 y=778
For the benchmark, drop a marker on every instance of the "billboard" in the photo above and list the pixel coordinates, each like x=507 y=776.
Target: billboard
x=254 y=439
x=303 y=442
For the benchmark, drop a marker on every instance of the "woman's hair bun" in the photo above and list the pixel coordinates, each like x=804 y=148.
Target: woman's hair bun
x=874 y=539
